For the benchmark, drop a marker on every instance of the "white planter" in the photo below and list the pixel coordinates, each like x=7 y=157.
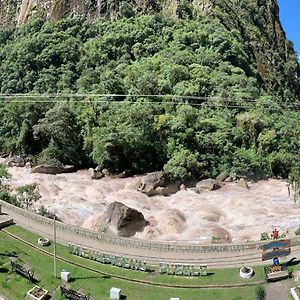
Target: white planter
x=294 y=294
x=43 y=242
x=115 y=293
x=246 y=274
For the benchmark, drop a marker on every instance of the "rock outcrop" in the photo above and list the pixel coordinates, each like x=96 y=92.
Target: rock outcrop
x=19 y=12
x=15 y=161
x=157 y=184
x=243 y=183
x=207 y=185
x=123 y=220
x=45 y=169
x=96 y=173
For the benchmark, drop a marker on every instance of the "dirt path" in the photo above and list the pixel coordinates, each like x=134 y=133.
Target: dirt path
x=279 y=290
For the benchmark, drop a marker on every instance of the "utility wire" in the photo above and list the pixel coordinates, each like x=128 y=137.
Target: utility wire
x=206 y=101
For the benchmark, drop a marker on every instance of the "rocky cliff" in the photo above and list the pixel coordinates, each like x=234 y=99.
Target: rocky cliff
x=17 y=12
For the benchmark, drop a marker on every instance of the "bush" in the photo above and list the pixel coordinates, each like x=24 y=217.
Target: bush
x=260 y=292
x=264 y=236
x=297 y=232
x=182 y=165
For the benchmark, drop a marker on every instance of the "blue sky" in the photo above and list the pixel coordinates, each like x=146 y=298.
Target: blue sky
x=290 y=18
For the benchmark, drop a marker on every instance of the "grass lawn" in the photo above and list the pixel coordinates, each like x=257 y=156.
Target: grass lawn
x=15 y=287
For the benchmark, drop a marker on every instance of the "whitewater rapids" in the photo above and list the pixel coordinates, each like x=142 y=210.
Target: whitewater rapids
x=230 y=214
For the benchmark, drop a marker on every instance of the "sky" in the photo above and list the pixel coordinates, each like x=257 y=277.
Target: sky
x=290 y=19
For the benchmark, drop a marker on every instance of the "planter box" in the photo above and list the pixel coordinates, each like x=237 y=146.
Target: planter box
x=36 y=293
x=294 y=293
x=246 y=272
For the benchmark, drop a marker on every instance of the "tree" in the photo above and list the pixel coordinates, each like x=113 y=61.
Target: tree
x=183 y=165
x=27 y=195
x=3 y=173
x=5 y=190
x=294 y=178
x=60 y=135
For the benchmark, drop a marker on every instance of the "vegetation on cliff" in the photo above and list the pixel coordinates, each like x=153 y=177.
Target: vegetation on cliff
x=235 y=52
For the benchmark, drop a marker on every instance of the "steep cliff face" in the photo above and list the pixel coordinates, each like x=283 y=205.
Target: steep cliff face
x=18 y=12
x=258 y=27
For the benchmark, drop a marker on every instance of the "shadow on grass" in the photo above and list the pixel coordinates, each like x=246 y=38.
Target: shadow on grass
x=123 y=297
x=210 y=273
x=89 y=277
x=293 y=262
x=9 y=254
x=3 y=270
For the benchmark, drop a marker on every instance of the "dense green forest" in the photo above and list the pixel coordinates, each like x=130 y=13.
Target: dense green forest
x=236 y=107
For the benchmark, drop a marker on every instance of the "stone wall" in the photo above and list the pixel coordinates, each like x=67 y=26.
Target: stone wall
x=135 y=243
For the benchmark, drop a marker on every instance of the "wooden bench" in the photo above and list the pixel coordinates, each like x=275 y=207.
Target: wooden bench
x=277 y=275
x=23 y=272
x=73 y=295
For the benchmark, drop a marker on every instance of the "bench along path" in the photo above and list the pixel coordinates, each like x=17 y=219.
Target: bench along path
x=217 y=259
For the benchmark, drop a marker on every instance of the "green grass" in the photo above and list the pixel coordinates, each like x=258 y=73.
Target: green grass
x=98 y=286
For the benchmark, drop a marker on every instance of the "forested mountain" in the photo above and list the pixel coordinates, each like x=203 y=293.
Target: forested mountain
x=234 y=74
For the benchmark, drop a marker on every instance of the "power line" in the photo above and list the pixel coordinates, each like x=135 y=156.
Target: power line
x=205 y=100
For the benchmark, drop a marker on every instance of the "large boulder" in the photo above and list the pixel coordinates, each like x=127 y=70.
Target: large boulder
x=123 y=220
x=156 y=184
x=15 y=161
x=47 y=169
x=207 y=185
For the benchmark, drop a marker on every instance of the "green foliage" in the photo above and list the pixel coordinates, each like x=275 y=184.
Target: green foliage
x=182 y=165
x=125 y=139
x=61 y=135
x=200 y=54
x=5 y=189
x=297 y=231
x=245 y=162
x=4 y=174
x=27 y=195
x=264 y=236
x=260 y=292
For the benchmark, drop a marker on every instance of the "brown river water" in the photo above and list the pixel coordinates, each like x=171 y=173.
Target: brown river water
x=230 y=213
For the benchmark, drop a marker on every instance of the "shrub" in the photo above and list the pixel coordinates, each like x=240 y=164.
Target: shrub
x=264 y=236
x=260 y=292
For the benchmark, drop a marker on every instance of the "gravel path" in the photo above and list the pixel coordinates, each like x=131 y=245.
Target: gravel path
x=279 y=290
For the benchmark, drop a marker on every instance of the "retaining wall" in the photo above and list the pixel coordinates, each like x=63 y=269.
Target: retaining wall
x=135 y=243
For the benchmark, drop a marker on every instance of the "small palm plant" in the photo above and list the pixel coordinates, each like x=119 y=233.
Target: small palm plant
x=260 y=292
